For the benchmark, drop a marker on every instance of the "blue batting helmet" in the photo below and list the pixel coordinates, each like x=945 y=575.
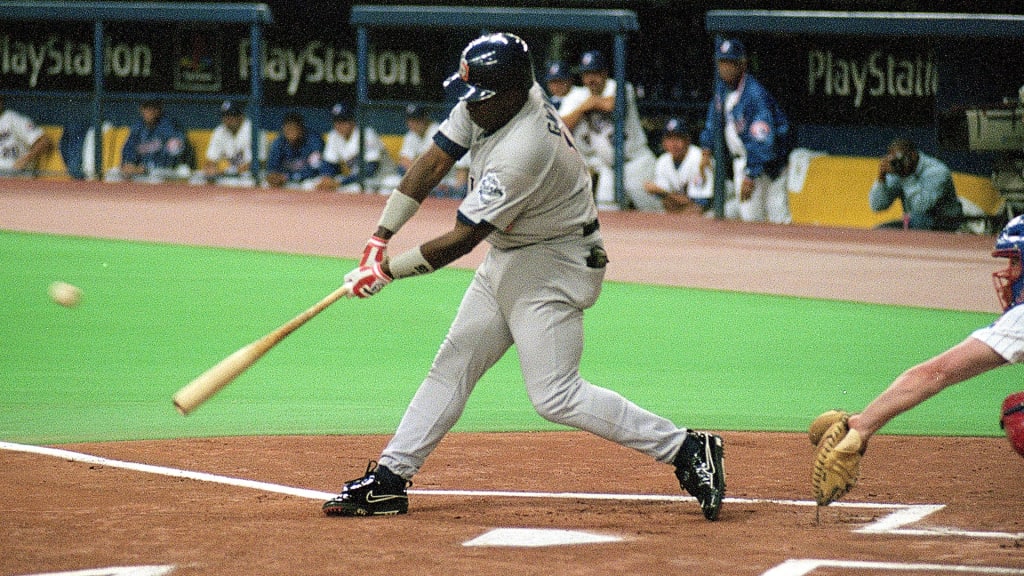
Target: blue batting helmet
x=1009 y=282
x=491 y=64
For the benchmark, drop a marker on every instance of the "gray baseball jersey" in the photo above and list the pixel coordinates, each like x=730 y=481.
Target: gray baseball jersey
x=528 y=181
x=530 y=193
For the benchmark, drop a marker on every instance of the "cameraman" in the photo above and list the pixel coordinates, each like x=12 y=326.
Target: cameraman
x=924 y=186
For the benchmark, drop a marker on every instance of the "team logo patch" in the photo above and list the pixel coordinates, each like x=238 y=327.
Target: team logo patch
x=175 y=146
x=490 y=188
x=760 y=130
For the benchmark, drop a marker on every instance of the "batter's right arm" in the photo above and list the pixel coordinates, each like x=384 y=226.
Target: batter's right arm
x=423 y=176
x=426 y=173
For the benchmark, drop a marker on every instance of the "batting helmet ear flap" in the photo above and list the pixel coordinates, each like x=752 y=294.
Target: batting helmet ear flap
x=1012 y=420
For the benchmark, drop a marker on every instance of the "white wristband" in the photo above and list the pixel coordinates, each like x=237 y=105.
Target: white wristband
x=397 y=211
x=409 y=263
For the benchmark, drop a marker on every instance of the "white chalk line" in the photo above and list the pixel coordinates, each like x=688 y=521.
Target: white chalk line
x=804 y=566
x=892 y=524
x=115 y=571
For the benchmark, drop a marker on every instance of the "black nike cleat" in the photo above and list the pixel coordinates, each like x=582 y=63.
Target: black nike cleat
x=700 y=468
x=379 y=492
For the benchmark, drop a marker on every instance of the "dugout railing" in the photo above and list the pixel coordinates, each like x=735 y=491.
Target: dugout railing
x=256 y=16
x=619 y=23
x=953 y=30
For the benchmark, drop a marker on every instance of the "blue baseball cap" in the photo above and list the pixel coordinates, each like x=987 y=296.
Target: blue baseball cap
x=342 y=111
x=557 y=70
x=415 y=111
x=592 y=61
x=676 y=126
x=730 y=49
x=230 y=108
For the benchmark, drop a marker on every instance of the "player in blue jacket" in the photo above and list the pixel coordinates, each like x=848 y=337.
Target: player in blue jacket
x=156 y=147
x=757 y=135
x=295 y=156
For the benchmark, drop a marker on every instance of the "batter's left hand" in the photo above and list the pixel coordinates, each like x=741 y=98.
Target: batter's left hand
x=374 y=252
x=365 y=281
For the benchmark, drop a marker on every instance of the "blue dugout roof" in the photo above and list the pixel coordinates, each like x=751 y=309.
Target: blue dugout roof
x=865 y=23
x=136 y=11
x=471 y=17
x=615 y=22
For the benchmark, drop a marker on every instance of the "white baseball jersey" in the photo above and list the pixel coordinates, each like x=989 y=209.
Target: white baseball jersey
x=235 y=148
x=530 y=193
x=345 y=151
x=414 y=145
x=1005 y=335
x=598 y=128
x=17 y=134
x=686 y=178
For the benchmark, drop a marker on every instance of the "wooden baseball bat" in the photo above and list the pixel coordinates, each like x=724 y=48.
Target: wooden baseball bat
x=222 y=373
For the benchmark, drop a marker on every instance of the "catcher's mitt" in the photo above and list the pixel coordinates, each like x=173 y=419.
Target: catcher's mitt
x=836 y=462
x=822 y=423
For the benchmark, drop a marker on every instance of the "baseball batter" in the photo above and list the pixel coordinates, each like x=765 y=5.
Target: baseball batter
x=530 y=199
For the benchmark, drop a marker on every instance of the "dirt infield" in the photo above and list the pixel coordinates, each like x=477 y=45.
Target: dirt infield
x=932 y=505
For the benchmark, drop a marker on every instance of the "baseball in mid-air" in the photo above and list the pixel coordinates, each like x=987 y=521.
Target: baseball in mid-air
x=65 y=294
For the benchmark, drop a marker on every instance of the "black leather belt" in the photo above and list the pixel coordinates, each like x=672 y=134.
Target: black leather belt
x=591 y=227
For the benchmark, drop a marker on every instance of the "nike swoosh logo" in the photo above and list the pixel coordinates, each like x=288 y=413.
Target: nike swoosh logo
x=372 y=498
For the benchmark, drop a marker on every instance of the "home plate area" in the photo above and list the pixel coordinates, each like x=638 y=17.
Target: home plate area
x=188 y=507
x=533 y=537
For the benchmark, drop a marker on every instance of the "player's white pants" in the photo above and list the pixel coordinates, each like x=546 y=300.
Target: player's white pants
x=533 y=297
x=769 y=202
x=634 y=173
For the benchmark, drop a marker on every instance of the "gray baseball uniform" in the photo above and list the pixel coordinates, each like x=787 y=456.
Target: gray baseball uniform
x=528 y=180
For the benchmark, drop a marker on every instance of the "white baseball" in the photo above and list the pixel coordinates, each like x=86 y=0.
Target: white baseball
x=65 y=294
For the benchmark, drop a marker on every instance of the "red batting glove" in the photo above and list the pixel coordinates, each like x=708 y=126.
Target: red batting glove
x=374 y=251
x=365 y=281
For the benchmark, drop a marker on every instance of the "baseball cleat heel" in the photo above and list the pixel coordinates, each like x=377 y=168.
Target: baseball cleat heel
x=700 y=468
x=379 y=492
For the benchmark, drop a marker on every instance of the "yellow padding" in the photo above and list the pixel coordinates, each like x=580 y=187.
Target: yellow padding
x=980 y=191
x=113 y=143
x=51 y=165
x=200 y=141
x=393 y=144
x=835 y=193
